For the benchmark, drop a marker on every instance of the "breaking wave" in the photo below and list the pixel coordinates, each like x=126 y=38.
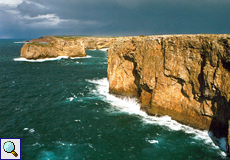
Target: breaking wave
x=21 y=42
x=131 y=106
x=48 y=59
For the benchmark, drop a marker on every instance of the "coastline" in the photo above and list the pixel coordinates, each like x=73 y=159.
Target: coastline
x=183 y=76
x=167 y=75
x=56 y=46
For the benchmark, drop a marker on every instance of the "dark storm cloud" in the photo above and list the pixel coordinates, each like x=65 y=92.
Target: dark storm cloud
x=32 y=9
x=123 y=17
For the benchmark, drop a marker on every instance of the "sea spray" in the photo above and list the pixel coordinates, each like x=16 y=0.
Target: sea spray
x=35 y=97
x=131 y=106
x=40 y=60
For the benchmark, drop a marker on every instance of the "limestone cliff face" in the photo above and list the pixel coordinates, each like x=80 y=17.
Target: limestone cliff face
x=56 y=47
x=184 y=76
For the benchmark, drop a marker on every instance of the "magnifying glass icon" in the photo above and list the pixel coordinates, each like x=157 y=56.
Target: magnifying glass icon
x=9 y=147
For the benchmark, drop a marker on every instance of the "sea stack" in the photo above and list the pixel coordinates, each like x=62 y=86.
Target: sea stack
x=54 y=48
x=184 y=76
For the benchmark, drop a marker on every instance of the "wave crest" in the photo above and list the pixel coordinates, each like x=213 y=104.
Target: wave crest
x=48 y=59
x=131 y=106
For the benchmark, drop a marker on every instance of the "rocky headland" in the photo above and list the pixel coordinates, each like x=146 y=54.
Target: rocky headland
x=184 y=76
x=54 y=46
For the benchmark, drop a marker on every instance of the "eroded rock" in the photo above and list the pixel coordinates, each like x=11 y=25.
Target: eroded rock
x=184 y=76
x=51 y=46
x=56 y=47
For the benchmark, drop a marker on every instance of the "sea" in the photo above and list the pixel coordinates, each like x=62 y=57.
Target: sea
x=61 y=109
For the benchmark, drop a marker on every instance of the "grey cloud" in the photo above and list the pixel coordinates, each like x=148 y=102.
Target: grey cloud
x=124 y=17
x=32 y=9
x=2 y=11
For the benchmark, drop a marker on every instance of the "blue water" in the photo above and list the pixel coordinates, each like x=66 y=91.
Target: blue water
x=61 y=109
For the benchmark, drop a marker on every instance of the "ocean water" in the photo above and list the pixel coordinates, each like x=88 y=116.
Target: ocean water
x=61 y=109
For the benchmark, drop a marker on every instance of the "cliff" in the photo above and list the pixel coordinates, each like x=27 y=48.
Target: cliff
x=62 y=46
x=96 y=42
x=184 y=76
x=56 y=47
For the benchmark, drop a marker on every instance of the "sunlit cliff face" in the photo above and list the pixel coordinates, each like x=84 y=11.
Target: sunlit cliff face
x=183 y=76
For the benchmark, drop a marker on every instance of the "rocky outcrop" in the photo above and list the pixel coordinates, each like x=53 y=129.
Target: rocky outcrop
x=184 y=76
x=62 y=46
x=56 y=47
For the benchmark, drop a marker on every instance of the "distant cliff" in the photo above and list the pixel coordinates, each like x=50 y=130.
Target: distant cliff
x=96 y=42
x=62 y=46
x=184 y=76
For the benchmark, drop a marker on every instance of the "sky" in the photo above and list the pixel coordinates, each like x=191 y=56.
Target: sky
x=36 y=18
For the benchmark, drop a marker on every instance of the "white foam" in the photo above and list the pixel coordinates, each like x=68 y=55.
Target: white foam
x=41 y=60
x=104 y=49
x=22 y=42
x=48 y=59
x=31 y=130
x=81 y=57
x=77 y=120
x=91 y=146
x=65 y=144
x=152 y=141
x=103 y=63
x=130 y=106
x=72 y=98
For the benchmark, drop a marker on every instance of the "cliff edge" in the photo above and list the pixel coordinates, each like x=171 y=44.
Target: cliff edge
x=184 y=76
